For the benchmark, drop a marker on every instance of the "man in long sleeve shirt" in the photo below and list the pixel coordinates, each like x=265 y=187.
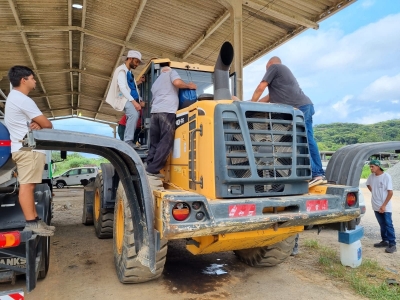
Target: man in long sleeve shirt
x=132 y=107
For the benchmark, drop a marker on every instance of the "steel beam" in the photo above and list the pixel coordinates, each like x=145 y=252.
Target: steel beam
x=83 y=24
x=206 y=34
x=127 y=38
x=14 y=9
x=271 y=9
x=236 y=14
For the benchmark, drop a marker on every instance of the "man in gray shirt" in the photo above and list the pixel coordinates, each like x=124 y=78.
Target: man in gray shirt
x=284 y=89
x=162 y=124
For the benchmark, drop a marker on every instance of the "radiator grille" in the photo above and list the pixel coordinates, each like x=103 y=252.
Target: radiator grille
x=272 y=145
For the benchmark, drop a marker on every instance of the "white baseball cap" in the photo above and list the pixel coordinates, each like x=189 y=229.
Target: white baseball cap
x=135 y=54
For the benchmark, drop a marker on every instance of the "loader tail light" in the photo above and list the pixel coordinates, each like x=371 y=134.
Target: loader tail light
x=351 y=199
x=10 y=239
x=180 y=211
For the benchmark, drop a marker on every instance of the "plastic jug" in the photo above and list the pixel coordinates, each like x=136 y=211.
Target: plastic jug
x=351 y=254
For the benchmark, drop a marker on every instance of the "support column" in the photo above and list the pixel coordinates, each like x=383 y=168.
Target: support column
x=235 y=9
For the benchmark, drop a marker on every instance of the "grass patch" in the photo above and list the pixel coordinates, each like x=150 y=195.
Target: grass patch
x=368 y=280
x=366 y=171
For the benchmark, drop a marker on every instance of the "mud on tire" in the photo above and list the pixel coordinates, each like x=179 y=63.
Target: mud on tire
x=268 y=256
x=128 y=267
x=102 y=218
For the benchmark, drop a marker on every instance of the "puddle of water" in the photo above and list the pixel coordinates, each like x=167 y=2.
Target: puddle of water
x=215 y=269
x=195 y=274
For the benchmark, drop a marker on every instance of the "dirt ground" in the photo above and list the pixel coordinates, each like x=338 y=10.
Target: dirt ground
x=82 y=266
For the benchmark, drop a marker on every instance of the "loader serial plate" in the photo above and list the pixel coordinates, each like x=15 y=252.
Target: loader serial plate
x=317 y=205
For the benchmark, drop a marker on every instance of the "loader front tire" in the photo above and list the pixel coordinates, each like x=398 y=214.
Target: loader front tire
x=102 y=218
x=268 y=256
x=128 y=267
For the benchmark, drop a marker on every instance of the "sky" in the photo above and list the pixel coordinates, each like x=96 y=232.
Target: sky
x=349 y=67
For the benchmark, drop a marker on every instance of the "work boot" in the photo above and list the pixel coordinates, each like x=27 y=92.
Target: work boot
x=382 y=244
x=158 y=175
x=40 y=228
x=391 y=249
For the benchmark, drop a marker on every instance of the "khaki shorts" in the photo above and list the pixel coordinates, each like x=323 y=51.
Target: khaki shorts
x=30 y=166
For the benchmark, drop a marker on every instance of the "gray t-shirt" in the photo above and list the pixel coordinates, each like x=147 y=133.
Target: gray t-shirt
x=283 y=87
x=380 y=186
x=165 y=94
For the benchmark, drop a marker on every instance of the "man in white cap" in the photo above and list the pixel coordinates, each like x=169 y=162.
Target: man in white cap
x=123 y=93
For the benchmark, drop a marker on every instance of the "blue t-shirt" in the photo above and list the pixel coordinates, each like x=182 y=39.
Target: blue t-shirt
x=132 y=86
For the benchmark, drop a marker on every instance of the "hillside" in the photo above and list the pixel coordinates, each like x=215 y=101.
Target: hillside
x=336 y=135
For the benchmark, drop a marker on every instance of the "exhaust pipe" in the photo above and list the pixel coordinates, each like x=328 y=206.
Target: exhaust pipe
x=221 y=73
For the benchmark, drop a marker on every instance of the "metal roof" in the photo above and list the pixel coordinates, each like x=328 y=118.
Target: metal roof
x=74 y=51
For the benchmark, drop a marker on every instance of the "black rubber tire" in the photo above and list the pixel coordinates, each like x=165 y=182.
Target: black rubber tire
x=88 y=197
x=308 y=227
x=128 y=267
x=45 y=259
x=60 y=184
x=103 y=218
x=268 y=256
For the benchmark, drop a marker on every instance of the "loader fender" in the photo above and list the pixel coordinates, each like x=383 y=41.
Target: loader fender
x=129 y=167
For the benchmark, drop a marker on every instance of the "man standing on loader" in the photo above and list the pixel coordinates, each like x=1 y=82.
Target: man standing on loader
x=162 y=124
x=284 y=89
x=120 y=88
x=20 y=112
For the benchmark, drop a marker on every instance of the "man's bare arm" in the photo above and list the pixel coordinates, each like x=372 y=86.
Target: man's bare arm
x=382 y=209
x=264 y=99
x=40 y=121
x=180 y=84
x=259 y=90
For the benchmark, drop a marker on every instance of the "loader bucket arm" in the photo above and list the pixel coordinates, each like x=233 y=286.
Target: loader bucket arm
x=130 y=170
x=346 y=164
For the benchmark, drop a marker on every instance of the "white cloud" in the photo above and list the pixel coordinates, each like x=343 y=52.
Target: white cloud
x=383 y=89
x=377 y=116
x=342 y=107
x=331 y=65
x=367 y=3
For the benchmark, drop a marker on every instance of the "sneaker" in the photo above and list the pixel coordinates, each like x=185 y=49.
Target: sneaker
x=158 y=175
x=382 y=244
x=40 y=228
x=391 y=249
x=317 y=181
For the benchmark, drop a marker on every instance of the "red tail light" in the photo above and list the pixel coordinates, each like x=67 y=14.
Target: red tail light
x=9 y=239
x=181 y=211
x=351 y=199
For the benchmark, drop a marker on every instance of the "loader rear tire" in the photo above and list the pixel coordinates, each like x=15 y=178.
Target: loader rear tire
x=103 y=218
x=268 y=256
x=128 y=267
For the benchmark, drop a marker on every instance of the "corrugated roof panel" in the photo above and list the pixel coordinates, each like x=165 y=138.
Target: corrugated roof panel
x=163 y=29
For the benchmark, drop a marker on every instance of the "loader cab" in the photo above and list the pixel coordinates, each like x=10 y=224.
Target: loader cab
x=201 y=75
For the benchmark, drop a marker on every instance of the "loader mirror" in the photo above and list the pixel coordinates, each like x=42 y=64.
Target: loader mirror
x=63 y=154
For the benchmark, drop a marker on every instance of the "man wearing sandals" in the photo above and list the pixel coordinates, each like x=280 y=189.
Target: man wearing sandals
x=284 y=89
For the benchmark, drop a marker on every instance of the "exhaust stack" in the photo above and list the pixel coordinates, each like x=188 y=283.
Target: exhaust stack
x=221 y=73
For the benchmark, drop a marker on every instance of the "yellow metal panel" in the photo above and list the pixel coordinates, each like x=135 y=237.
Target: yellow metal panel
x=318 y=189
x=241 y=240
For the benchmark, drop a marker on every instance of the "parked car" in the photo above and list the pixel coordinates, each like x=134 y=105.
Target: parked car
x=75 y=176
